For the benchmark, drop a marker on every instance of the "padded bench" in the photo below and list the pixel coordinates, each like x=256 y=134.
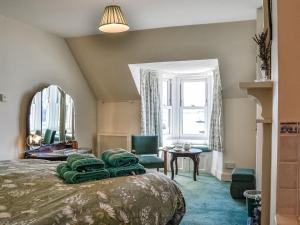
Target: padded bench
x=204 y=148
x=242 y=179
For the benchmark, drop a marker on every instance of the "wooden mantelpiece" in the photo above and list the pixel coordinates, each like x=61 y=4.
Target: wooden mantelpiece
x=262 y=93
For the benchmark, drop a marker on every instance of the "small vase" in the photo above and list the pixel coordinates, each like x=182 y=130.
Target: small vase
x=263 y=75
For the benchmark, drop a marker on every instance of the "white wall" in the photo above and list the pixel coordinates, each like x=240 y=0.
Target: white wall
x=29 y=59
x=275 y=124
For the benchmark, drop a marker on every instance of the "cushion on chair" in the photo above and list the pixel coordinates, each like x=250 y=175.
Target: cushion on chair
x=204 y=148
x=242 y=174
x=151 y=161
x=49 y=136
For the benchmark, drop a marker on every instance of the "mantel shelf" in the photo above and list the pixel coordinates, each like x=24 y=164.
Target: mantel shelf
x=262 y=93
x=256 y=84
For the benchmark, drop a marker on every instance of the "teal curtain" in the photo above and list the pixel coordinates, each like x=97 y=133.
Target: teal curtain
x=150 y=104
x=216 y=131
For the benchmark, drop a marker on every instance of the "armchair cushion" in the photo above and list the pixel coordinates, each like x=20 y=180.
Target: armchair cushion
x=204 y=148
x=151 y=161
x=145 y=144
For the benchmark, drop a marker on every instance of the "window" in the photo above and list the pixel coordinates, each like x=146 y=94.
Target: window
x=193 y=108
x=167 y=107
x=186 y=100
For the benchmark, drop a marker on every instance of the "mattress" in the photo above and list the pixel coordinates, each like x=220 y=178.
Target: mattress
x=32 y=194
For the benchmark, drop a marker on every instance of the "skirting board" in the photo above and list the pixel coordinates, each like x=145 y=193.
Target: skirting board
x=222 y=176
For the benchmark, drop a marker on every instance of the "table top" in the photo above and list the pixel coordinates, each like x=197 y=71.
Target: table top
x=182 y=151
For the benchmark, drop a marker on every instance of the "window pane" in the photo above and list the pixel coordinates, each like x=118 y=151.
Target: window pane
x=166 y=121
x=193 y=121
x=194 y=93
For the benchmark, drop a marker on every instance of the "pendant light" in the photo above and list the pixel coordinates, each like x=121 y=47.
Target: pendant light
x=113 y=20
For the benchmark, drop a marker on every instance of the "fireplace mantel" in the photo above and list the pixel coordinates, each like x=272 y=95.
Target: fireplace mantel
x=262 y=93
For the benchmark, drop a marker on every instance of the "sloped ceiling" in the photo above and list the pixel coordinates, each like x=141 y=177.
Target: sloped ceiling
x=104 y=59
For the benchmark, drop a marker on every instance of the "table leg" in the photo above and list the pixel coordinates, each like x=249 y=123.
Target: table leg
x=165 y=162
x=176 y=166
x=195 y=166
x=172 y=167
x=198 y=163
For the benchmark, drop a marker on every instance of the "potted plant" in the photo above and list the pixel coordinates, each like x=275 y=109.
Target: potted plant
x=264 y=45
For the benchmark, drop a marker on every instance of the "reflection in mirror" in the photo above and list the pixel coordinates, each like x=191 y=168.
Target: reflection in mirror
x=69 y=122
x=51 y=117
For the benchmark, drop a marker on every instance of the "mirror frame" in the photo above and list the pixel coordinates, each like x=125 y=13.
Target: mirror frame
x=29 y=111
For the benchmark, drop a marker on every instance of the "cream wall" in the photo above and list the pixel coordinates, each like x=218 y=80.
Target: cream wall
x=240 y=131
x=119 y=117
x=104 y=58
x=104 y=61
x=29 y=59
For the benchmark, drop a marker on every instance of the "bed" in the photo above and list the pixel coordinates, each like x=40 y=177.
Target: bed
x=32 y=194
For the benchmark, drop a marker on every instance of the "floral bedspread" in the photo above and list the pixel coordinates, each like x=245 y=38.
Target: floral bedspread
x=32 y=194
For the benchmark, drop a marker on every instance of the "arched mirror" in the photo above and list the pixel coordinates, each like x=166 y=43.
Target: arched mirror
x=51 y=117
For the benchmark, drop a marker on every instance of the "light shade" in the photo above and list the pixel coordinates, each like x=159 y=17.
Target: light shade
x=113 y=20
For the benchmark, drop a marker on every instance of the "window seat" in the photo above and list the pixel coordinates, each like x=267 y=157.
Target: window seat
x=204 y=148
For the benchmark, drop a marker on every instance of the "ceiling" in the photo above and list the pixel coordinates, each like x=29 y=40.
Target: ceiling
x=72 y=18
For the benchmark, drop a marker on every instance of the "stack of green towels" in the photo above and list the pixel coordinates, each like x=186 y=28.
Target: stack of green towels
x=120 y=162
x=81 y=168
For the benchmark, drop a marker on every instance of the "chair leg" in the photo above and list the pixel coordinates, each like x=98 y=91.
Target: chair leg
x=165 y=163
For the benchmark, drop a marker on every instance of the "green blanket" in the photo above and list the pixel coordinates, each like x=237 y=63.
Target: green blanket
x=119 y=157
x=126 y=170
x=74 y=177
x=84 y=163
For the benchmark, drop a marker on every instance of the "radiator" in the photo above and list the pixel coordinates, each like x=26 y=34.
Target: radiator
x=113 y=140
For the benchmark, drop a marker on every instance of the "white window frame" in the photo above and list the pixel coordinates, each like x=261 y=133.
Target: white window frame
x=176 y=135
x=182 y=107
x=169 y=106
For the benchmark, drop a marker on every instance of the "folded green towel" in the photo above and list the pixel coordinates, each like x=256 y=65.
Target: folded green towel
x=74 y=177
x=61 y=169
x=126 y=170
x=84 y=162
x=119 y=157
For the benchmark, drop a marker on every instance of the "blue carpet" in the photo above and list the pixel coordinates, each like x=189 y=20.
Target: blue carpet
x=208 y=201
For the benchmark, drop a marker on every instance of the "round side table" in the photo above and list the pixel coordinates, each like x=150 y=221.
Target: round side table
x=194 y=154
